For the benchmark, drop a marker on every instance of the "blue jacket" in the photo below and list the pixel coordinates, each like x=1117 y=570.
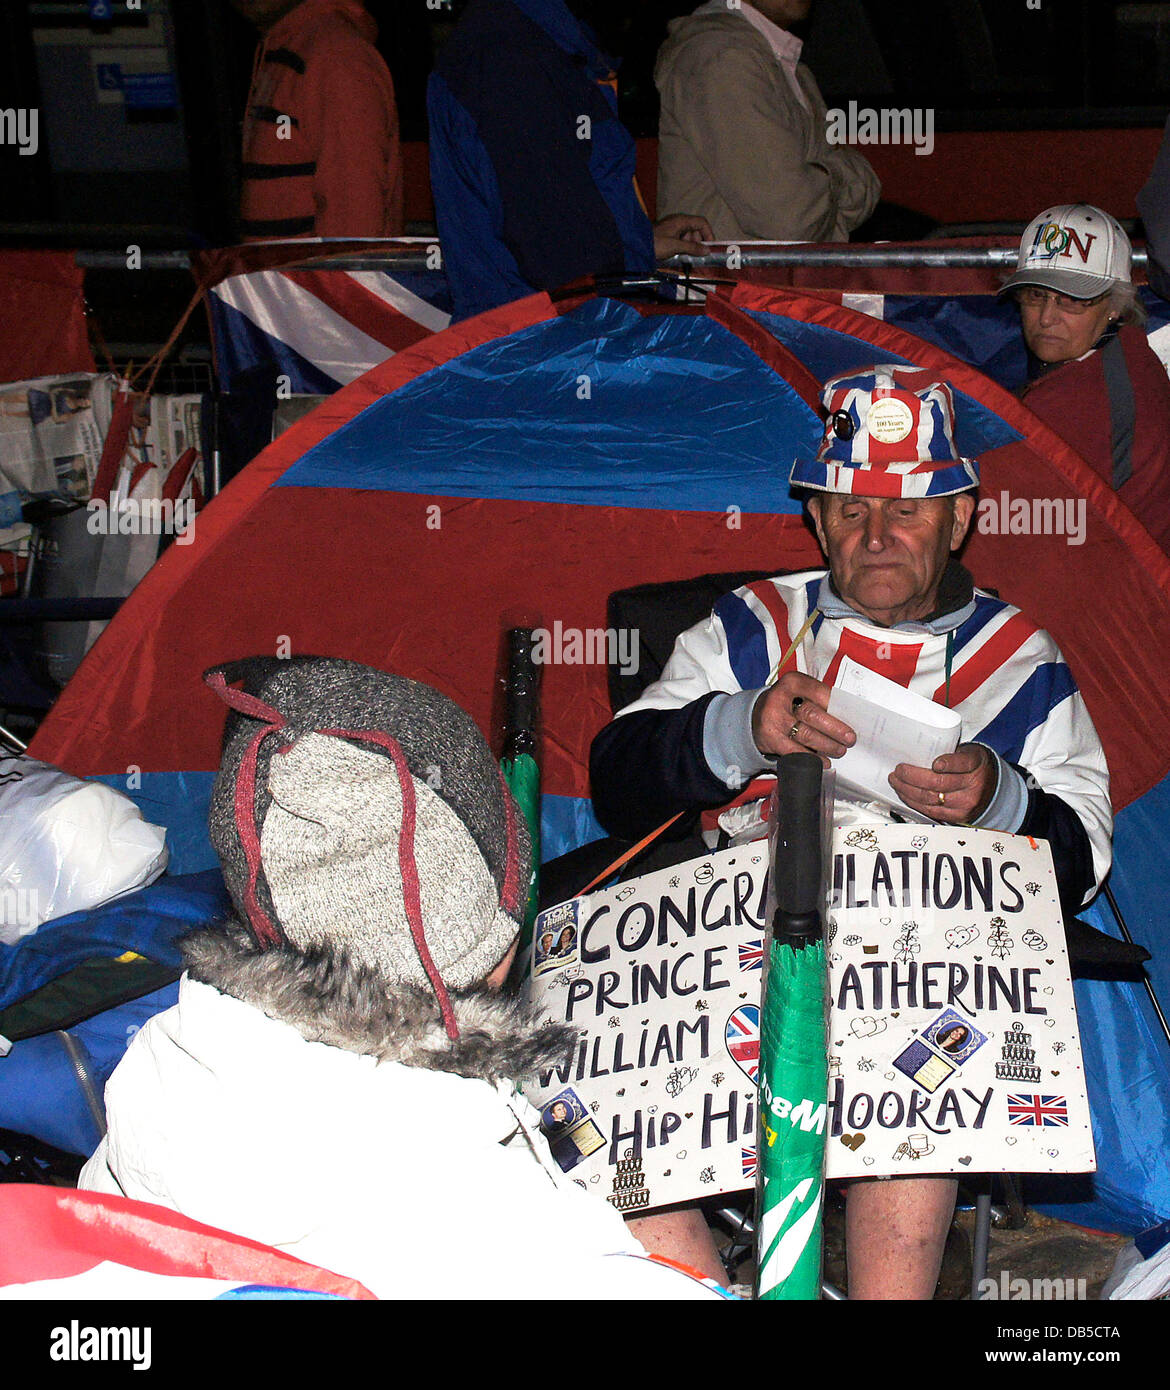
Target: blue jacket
x=531 y=170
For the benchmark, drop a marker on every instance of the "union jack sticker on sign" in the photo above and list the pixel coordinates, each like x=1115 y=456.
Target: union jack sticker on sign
x=1037 y=1110
x=751 y=955
x=743 y=1039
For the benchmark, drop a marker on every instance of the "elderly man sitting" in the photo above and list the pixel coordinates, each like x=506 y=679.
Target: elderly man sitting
x=1092 y=375
x=891 y=499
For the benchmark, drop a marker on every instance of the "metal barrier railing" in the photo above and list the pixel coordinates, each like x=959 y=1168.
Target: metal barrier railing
x=927 y=255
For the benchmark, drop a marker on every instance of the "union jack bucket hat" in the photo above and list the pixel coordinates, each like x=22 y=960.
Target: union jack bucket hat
x=890 y=432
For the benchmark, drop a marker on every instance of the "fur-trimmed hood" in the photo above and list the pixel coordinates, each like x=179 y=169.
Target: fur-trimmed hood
x=330 y=998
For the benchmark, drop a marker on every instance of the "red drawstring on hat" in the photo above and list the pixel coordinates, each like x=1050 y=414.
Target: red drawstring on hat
x=266 y=931
x=512 y=889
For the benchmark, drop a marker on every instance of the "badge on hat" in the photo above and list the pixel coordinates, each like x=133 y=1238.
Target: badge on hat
x=890 y=420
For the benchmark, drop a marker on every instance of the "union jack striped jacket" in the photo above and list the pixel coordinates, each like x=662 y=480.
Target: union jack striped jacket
x=686 y=743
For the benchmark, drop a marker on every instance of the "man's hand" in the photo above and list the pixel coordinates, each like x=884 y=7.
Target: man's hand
x=680 y=235
x=956 y=789
x=793 y=717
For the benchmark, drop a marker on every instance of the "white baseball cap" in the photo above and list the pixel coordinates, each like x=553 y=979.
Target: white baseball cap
x=1075 y=249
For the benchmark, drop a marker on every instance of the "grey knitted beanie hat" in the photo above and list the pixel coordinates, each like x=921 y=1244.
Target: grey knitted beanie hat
x=359 y=809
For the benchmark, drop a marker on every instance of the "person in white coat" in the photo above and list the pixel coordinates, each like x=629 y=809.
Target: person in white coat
x=338 y=1078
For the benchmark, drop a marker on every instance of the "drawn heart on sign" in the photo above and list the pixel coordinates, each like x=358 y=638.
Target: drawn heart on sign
x=744 y=994
x=1011 y=1139
x=645 y=1083
x=965 y=1161
x=853 y=1141
x=690 y=1115
x=666 y=1172
x=742 y=1036
x=978 y=957
x=682 y=1153
x=1056 y=1073
x=622 y=1091
x=868 y=1162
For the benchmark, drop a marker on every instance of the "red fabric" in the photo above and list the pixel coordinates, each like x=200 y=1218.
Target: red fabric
x=777 y=610
x=896 y=661
x=1072 y=399
x=992 y=175
x=344 y=119
x=360 y=307
x=114 y=447
x=425 y=610
x=42 y=292
x=179 y=474
x=50 y=1233
x=12 y=568
x=1009 y=175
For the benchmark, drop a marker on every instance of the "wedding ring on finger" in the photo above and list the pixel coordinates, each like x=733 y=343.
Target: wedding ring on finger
x=794 y=731
x=942 y=798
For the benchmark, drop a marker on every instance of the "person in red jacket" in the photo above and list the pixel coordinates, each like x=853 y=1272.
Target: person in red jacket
x=1093 y=376
x=321 y=149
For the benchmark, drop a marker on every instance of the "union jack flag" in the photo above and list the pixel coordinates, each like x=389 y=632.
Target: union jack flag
x=751 y=955
x=1037 y=1110
x=749 y=1162
x=743 y=1039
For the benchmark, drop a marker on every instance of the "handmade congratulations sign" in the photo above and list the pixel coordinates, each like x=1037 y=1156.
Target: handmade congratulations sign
x=953 y=1040
x=953 y=1043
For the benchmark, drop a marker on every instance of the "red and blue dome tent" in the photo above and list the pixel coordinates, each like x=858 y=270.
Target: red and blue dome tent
x=532 y=461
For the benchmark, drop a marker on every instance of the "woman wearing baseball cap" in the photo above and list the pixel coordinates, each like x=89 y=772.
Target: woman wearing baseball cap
x=1092 y=375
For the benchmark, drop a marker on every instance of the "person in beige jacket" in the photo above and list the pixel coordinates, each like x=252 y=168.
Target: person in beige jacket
x=742 y=134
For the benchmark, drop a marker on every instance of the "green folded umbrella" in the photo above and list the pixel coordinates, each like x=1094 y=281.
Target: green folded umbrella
x=793 y=1075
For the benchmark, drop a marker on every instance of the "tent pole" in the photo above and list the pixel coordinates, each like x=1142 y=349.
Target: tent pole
x=1145 y=978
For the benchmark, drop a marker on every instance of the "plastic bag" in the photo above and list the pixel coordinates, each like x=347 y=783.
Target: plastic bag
x=66 y=845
